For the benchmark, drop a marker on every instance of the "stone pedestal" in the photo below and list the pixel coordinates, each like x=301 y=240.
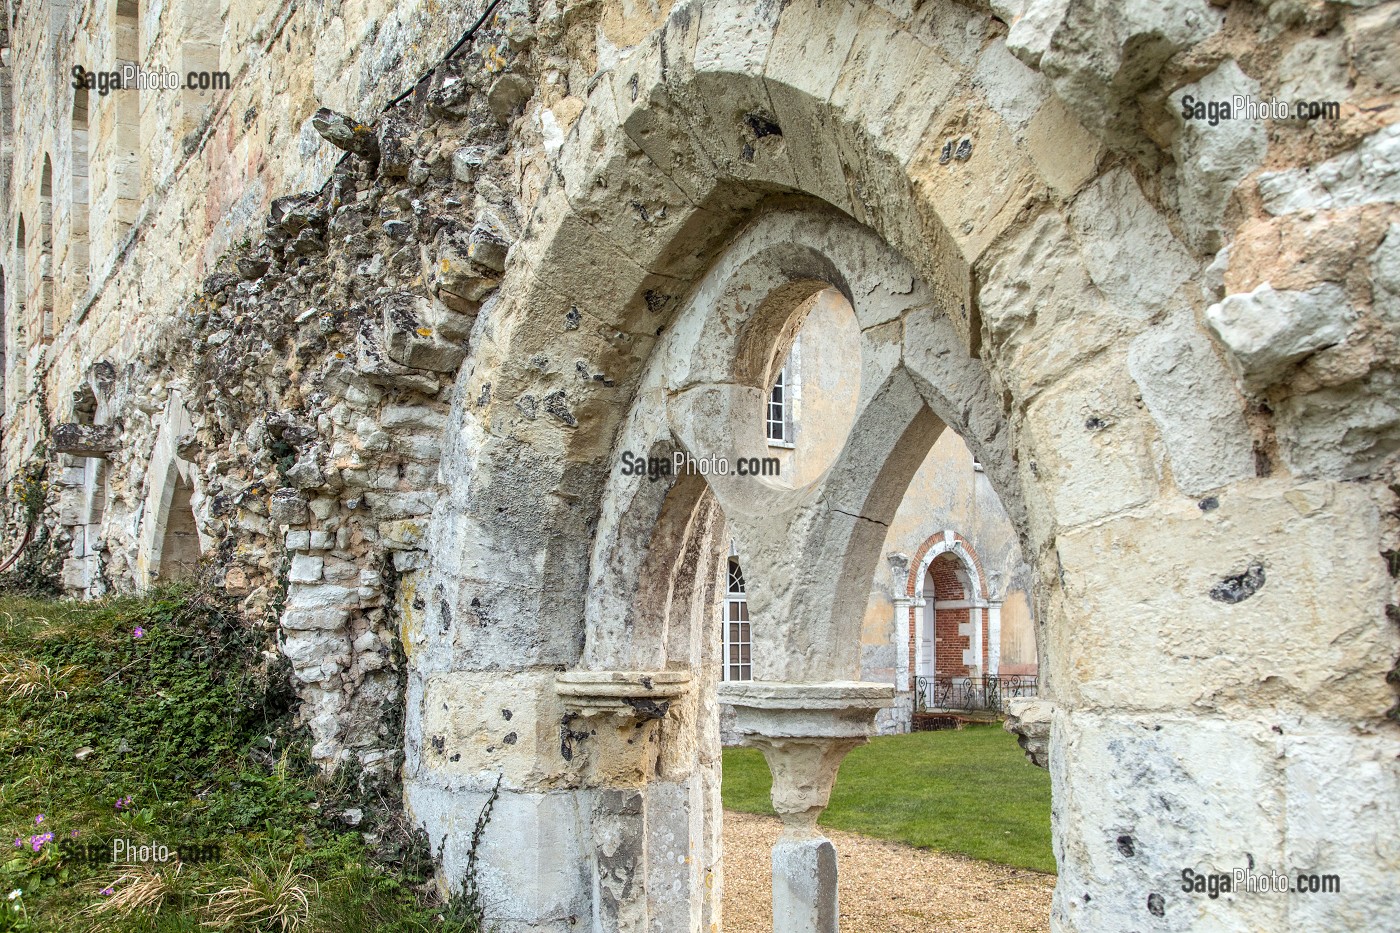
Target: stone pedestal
x=804 y=732
x=804 y=886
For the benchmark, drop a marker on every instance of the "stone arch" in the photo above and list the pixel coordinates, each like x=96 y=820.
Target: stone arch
x=923 y=618
x=702 y=396
x=941 y=543
x=172 y=495
x=697 y=140
x=1056 y=287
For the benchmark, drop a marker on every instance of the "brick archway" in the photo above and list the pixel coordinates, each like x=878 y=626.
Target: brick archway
x=946 y=623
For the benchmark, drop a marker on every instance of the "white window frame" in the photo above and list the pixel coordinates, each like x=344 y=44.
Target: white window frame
x=789 y=379
x=736 y=630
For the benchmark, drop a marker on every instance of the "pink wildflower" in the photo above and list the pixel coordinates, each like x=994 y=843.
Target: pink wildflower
x=137 y=632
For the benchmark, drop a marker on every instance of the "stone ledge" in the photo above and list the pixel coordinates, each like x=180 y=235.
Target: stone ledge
x=644 y=694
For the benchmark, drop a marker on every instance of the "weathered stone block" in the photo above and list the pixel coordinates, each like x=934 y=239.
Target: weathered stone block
x=346 y=133
x=305 y=569
x=84 y=440
x=1268 y=331
x=1192 y=399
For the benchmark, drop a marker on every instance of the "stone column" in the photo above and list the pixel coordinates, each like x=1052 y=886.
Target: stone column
x=924 y=632
x=994 y=637
x=974 y=620
x=619 y=714
x=804 y=732
x=903 y=660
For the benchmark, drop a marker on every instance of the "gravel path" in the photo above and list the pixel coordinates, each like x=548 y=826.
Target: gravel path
x=885 y=887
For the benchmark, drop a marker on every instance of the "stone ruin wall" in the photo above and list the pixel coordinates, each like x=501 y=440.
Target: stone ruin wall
x=310 y=339
x=311 y=309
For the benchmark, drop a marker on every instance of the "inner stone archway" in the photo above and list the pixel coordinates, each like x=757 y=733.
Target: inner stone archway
x=814 y=549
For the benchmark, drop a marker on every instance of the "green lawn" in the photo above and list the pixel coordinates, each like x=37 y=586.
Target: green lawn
x=971 y=792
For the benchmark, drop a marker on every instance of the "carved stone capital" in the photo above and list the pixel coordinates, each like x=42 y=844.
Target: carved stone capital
x=621 y=712
x=804 y=732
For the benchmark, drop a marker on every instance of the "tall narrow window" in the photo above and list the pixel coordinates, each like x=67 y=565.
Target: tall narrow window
x=201 y=29
x=77 y=263
x=43 y=309
x=21 y=321
x=4 y=337
x=783 y=400
x=777 y=408
x=737 y=664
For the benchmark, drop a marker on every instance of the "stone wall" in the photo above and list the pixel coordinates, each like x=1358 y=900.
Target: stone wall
x=395 y=353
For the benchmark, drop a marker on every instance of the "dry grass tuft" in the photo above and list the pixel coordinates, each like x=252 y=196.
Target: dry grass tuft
x=139 y=888
x=21 y=678
x=279 y=899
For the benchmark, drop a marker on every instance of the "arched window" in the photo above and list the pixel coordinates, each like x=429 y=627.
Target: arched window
x=179 y=548
x=43 y=319
x=20 y=317
x=77 y=264
x=737 y=663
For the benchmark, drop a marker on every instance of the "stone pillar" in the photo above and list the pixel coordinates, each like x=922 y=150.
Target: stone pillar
x=974 y=621
x=924 y=632
x=902 y=668
x=994 y=637
x=620 y=712
x=804 y=732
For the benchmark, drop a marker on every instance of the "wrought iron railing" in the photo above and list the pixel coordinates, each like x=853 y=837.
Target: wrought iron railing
x=971 y=693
